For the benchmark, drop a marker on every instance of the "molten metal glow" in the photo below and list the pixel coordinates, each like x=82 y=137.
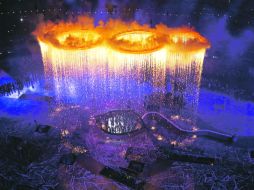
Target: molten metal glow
x=137 y=41
x=127 y=37
x=79 y=55
x=78 y=39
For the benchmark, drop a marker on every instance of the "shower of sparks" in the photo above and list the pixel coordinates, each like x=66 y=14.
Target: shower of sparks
x=117 y=59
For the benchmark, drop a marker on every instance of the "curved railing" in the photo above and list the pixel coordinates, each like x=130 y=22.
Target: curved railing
x=201 y=132
x=170 y=124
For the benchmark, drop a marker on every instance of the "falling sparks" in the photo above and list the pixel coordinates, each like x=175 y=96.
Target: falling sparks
x=116 y=59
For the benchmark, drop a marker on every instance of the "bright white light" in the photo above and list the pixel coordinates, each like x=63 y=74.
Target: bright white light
x=17 y=94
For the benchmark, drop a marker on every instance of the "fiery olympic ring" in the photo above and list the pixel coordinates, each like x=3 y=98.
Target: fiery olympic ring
x=123 y=37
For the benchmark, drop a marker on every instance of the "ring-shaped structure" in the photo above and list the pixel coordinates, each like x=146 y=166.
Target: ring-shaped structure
x=187 y=41
x=137 y=41
x=119 y=122
x=77 y=39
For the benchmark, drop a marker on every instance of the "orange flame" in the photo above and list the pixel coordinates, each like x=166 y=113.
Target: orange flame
x=125 y=37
